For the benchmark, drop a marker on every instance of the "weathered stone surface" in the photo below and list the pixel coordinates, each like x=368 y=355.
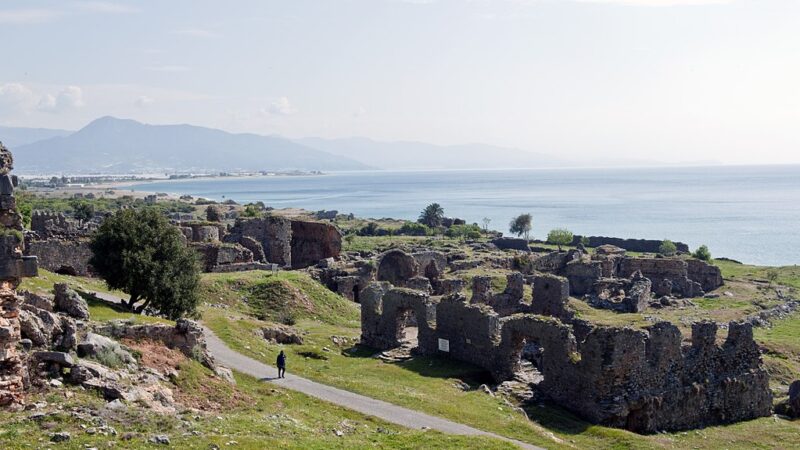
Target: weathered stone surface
x=794 y=398
x=509 y=243
x=641 y=380
x=69 y=302
x=282 y=334
x=582 y=275
x=670 y=276
x=273 y=233
x=632 y=245
x=94 y=344
x=621 y=294
x=397 y=267
x=60 y=358
x=186 y=336
x=314 y=241
x=60 y=255
x=215 y=256
x=609 y=250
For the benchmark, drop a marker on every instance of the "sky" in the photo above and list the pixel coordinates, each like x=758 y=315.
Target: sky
x=667 y=80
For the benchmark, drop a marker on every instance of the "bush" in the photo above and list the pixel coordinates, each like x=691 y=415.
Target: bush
x=414 y=229
x=559 y=237
x=667 y=248
x=702 y=253
x=464 y=231
x=370 y=229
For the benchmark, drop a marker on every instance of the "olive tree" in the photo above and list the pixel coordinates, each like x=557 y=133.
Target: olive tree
x=559 y=237
x=140 y=253
x=667 y=248
x=521 y=225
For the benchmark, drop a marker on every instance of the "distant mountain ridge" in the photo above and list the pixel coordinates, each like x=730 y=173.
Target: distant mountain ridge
x=17 y=136
x=111 y=145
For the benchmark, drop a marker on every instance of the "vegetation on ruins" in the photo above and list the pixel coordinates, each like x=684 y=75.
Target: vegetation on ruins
x=432 y=215
x=414 y=229
x=213 y=214
x=521 y=225
x=251 y=210
x=83 y=211
x=702 y=253
x=140 y=253
x=559 y=237
x=485 y=222
x=668 y=248
x=464 y=231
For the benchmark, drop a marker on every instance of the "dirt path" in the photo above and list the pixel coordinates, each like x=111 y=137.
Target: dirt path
x=365 y=405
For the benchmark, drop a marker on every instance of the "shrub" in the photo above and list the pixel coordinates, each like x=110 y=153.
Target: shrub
x=772 y=275
x=370 y=229
x=464 y=231
x=559 y=237
x=702 y=253
x=414 y=229
x=667 y=248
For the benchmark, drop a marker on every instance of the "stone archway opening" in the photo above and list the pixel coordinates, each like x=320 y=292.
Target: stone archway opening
x=527 y=357
x=406 y=333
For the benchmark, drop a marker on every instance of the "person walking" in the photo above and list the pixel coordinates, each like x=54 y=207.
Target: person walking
x=281 y=364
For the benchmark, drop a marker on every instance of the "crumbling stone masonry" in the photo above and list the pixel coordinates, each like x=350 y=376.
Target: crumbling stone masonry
x=13 y=267
x=314 y=241
x=273 y=233
x=64 y=256
x=642 y=380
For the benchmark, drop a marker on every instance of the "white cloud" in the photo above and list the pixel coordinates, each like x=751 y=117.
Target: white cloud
x=196 y=32
x=71 y=97
x=282 y=107
x=143 y=101
x=168 y=68
x=15 y=98
x=103 y=7
x=28 y=16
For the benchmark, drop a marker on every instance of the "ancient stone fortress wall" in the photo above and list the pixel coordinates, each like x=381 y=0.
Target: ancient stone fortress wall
x=632 y=245
x=69 y=257
x=641 y=380
x=13 y=267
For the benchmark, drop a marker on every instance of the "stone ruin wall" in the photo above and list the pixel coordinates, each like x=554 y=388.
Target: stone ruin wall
x=70 y=257
x=13 y=267
x=641 y=380
x=632 y=245
x=312 y=242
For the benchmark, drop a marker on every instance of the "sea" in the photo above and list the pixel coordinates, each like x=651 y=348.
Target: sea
x=747 y=213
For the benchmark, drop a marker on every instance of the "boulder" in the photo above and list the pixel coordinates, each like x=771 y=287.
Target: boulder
x=69 y=302
x=794 y=398
x=59 y=358
x=610 y=250
x=282 y=334
x=95 y=345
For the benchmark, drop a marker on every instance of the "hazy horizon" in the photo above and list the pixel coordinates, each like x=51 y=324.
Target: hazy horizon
x=678 y=81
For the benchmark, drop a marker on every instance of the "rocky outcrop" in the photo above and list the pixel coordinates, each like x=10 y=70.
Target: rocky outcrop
x=624 y=295
x=13 y=267
x=282 y=334
x=509 y=243
x=632 y=245
x=670 y=276
x=186 y=336
x=313 y=241
x=69 y=302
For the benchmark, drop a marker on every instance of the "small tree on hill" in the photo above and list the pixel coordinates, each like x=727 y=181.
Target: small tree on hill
x=432 y=215
x=140 y=253
x=772 y=276
x=559 y=237
x=668 y=248
x=702 y=253
x=213 y=214
x=486 y=221
x=83 y=211
x=521 y=225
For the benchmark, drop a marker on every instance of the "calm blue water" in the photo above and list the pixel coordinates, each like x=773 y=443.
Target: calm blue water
x=746 y=213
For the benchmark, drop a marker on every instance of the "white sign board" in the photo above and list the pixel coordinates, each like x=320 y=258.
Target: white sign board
x=444 y=345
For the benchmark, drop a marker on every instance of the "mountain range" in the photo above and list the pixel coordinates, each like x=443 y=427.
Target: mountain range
x=110 y=145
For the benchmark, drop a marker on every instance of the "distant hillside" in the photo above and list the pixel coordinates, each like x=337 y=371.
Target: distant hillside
x=13 y=137
x=420 y=155
x=109 y=145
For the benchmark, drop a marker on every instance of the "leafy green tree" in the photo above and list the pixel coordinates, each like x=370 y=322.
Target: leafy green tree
x=521 y=225
x=251 y=210
x=414 y=229
x=432 y=215
x=464 y=231
x=140 y=253
x=667 y=248
x=702 y=253
x=560 y=237
x=83 y=211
